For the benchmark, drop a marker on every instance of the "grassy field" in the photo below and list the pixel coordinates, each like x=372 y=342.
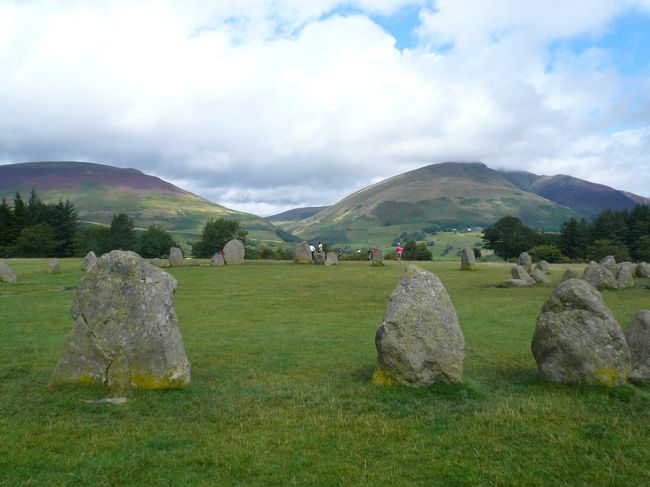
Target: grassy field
x=281 y=362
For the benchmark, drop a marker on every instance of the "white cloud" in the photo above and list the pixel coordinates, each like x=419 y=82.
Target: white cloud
x=265 y=105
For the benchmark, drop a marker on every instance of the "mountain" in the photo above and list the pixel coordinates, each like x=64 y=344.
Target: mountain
x=100 y=191
x=287 y=220
x=452 y=194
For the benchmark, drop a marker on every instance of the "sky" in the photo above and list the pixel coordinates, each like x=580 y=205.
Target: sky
x=267 y=105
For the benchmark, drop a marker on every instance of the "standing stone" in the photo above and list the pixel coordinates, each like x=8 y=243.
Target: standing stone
x=233 y=252
x=540 y=277
x=6 y=274
x=599 y=277
x=125 y=332
x=217 y=260
x=642 y=270
x=518 y=272
x=89 y=260
x=525 y=260
x=319 y=258
x=467 y=260
x=175 y=257
x=516 y=283
x=377 y=257
x=331 y=259
x=543 y=266
x=159 y=262
x=52 y=266
x=637 y=335
x=625 y=275
x=302 y=253
x=609 y=263
x=577 y=340
x=570 y=274
x=420 y=341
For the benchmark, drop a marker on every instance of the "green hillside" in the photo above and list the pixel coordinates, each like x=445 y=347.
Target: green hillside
x=447 y=195
x=99 y=191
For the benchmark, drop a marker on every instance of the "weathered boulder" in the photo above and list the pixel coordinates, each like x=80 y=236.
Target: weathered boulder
x=516 y=283
x=467 y=260
x=570 y=274
x=332 y=259
x=319 y=258
x=539 y=277
x=637 y=335
x=6 y=274
x=233 y=252
x=577 y=340
x=302 y=253
x=525 y=260
x=609 y=263
x=543 y=266
x=625 y=275
x=53 y=266
x=176 y=257
x=217 y=260
x=420 y=341
x=89 y=260
x=518 y=272
x=377 y=257
x=125 y=332
x=643 y=270
x=159 y=262
x=599 y=277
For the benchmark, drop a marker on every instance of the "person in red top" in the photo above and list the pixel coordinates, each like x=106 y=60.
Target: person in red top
x=400 y=249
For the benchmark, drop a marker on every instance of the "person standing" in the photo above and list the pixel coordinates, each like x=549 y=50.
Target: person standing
x=399 y=250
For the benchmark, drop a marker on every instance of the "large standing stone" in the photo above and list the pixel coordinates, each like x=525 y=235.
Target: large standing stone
x=625 y=275
x=302 y=253
x=6 y=274
x=570 y=274
x=539 y=276
x=525 y=260
x=377 y=257
x=420 y=341
x=175 y=257
x=609 y=263
x=331 y=259
x=233 y=252
x=319 y=258
x=642 y=270
x=518 y=272
x=52 y=266
x=125 y=332
x=599 y=277
x=637 y=335
x=543 y=266
x=577 y=340
x=217 y=260
x=89 y=260
x=467 y=260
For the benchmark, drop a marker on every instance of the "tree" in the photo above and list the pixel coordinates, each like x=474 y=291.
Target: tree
x=121 y=234
x=508 y=237
x=215 y=235
x=36 y=241
x=643 y=252
x=603 y=247
x=6 y=224
x=155 y=242
x=549 y=253
x=35 y=210
x=95 y=238
x=19 y=216
x=575 y=236
x=65 y=222
x=416 y=251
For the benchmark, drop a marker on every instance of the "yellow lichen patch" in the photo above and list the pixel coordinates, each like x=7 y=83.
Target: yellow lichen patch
x=610 y=376
x=152 y=381
x=381 y=377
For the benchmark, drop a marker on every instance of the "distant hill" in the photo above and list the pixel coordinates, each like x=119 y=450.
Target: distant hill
x=100 y=191
x=288 y=220
x=456 y=195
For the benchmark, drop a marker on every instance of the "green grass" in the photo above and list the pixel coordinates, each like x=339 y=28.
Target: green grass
x=281 y=358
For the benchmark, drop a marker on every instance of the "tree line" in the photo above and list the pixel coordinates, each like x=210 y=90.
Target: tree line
x=625 y=234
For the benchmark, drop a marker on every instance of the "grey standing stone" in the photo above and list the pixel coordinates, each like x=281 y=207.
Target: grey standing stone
x=125 y=332
x=543 y=266
x=518 y=272
x=467 y=260
x=570 y=274
x=89 y=260
x=539 y=277
x=233 y=252
x=420 y=341
x=302 y=253
x=637 y=335
x=516 y=283
x=377 y=257
x=159 y=262
x=599 y=277
x=643 y=270
x=217 y=260
x=524 y=260
x=319 y=258
x=53 y=266
x=609 y=263
x=625 y=275
x=331 y=259
x=6 y=274
x=577 y=340
x=175 y=257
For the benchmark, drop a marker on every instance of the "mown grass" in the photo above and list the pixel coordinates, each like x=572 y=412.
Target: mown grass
x=281 y=358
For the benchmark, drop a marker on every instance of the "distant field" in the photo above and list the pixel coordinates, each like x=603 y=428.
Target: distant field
x=281 y=358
